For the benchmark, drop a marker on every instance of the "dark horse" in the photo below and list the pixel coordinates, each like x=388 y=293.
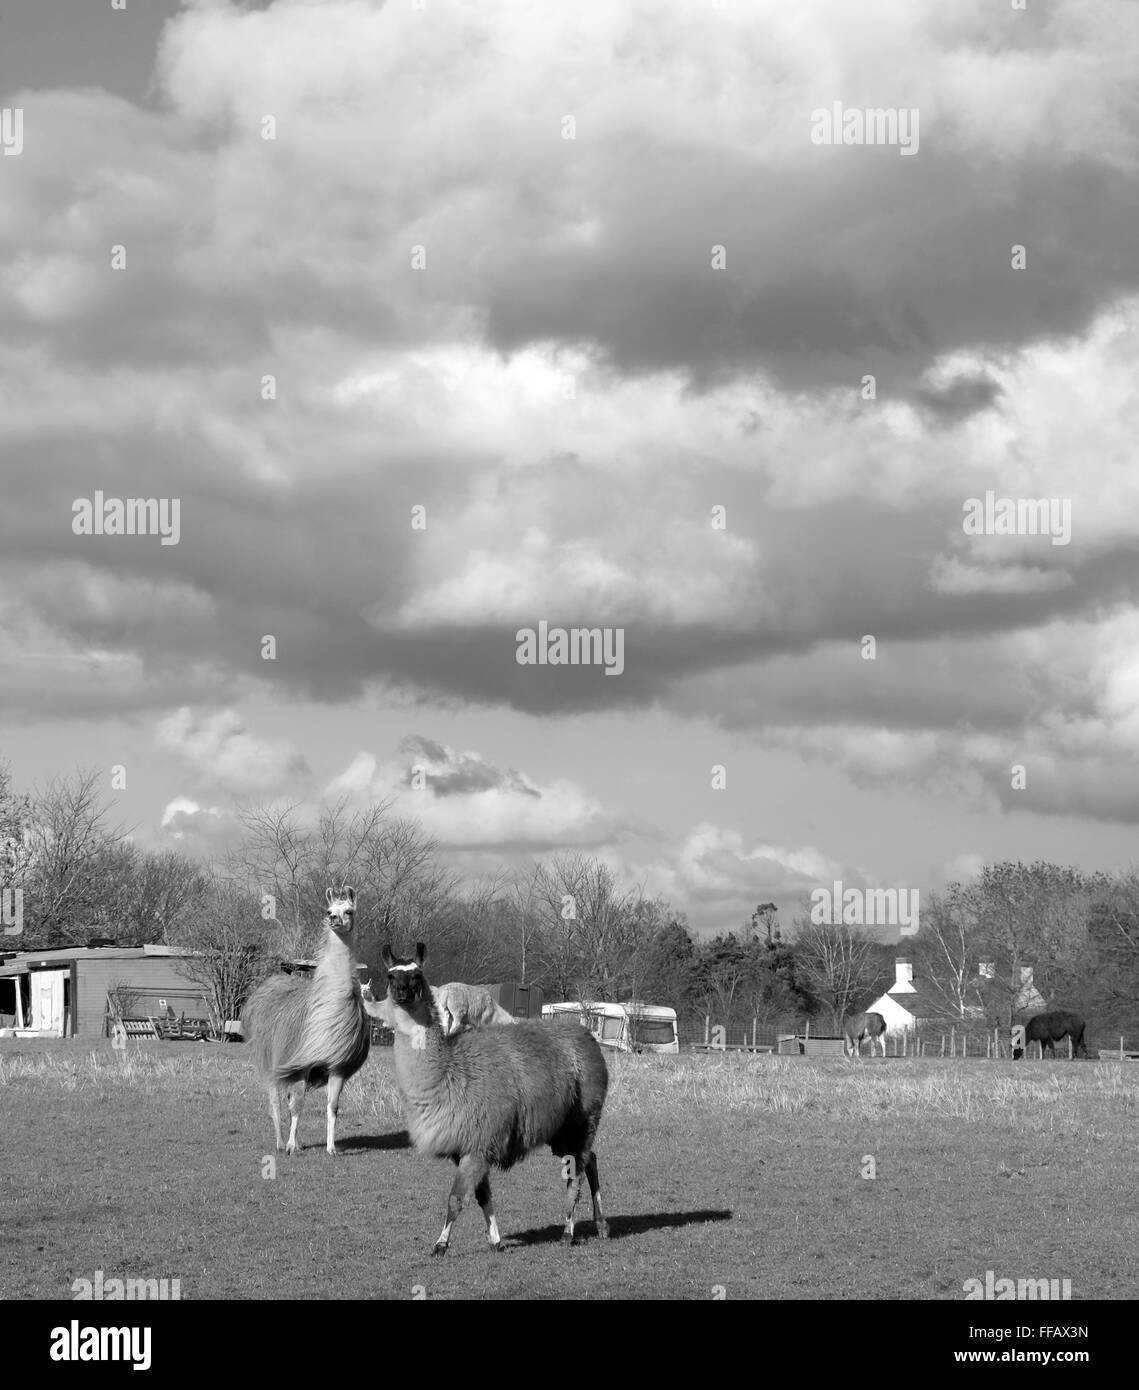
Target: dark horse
x=860 y=1026
x=1048 y=1029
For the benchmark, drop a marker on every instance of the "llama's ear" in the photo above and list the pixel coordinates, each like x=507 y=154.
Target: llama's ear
x=328 y=897
x=420 y=951
x=350 y=894
x=387 y=957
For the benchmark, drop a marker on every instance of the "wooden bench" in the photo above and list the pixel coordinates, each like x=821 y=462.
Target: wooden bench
x=138 y=1027
x=181 y=1029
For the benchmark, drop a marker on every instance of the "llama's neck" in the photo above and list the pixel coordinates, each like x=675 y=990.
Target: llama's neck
x=335 y=970
x=416 y=1026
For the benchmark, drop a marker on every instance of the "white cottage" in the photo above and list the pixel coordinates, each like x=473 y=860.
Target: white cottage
x=911 y=1001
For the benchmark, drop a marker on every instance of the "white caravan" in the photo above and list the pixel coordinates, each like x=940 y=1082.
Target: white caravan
x=629 y=1027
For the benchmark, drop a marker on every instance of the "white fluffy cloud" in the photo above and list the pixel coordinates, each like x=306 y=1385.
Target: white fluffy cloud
x=467 y=803
x=219 y=752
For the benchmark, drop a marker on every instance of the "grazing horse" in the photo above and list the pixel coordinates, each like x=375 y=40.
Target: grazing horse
x=861 y=1026
x=1048 y=1029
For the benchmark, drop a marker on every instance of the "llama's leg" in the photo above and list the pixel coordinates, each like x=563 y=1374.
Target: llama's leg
x=573 y=1192
x=483 y=1197
x=296 y=1105
x=275 y=1111
x=595 y=1194
x=335 y=1086
x=471 y=1169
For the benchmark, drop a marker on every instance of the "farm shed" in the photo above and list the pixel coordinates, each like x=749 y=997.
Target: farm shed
x=63 y=992
x=521 y=1001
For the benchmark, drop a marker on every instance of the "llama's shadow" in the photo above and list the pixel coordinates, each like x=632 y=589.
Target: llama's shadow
x=398 y=1139
x=619 y=1226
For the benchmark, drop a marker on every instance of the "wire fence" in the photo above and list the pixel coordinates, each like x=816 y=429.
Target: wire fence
x=802 y=1037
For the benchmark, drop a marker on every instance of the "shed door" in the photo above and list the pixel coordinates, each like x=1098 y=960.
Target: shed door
x=47 y=1000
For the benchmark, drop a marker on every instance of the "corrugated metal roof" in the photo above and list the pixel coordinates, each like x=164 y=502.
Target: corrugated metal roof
x=21 y=959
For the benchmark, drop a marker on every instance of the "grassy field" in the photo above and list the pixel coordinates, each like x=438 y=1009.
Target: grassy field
x=743 y=1174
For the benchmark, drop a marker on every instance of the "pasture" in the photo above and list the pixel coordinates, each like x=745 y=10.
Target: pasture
x=731 y=1172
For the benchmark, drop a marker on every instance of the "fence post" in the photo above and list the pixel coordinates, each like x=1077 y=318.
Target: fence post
x=953 y=1042
x=707 y=1020
x=943 y=1044
x=754 y=1026
x=1121 y=1049
x=1069 y=1047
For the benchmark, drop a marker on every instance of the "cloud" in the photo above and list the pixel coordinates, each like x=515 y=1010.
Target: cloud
x=467 y=803
x=222 y=754
x=568 y=388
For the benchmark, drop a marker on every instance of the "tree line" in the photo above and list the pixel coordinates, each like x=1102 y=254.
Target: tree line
x=563 y=922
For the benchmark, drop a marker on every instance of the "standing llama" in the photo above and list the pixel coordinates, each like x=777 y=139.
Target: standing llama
x=310 y=1029
x=458 y=1006
x=488 y=1096
x=467 y=1006
x=859 y=1027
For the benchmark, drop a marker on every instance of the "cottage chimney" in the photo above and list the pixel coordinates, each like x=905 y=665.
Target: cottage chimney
x=903 y=976
x=987 y=970
x=1026 y=976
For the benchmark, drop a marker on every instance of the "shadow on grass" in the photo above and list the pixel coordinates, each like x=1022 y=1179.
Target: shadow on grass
x=619 y=1226
x=398 y=1139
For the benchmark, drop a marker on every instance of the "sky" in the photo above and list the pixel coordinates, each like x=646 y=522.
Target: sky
x=441 y=321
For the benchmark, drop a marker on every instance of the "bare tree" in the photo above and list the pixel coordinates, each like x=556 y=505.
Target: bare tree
x=837 y=962
x=949 y=944
x=73 y=860
x=228 y=948
x=594 y=939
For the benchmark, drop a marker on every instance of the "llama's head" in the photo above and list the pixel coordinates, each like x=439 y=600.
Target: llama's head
x=341 y=917
x=407 y=986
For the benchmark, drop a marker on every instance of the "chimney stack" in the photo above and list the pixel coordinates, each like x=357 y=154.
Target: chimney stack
x=903 y=976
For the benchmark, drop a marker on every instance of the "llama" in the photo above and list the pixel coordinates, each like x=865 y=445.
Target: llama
x=310 y=1029
x=488 y=1096
x=467 y=1006
x=859 y=1027
x=458 y=1005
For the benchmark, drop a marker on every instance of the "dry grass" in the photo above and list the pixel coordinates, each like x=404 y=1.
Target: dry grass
x=744 y=1172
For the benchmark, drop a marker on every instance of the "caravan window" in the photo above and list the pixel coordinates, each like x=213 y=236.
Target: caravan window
x=612 y=1028
x=655 y=1030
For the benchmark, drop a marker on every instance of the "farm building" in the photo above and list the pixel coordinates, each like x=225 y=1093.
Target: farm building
x=521 y=1001
x=64 y=992
x=910 y=1002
